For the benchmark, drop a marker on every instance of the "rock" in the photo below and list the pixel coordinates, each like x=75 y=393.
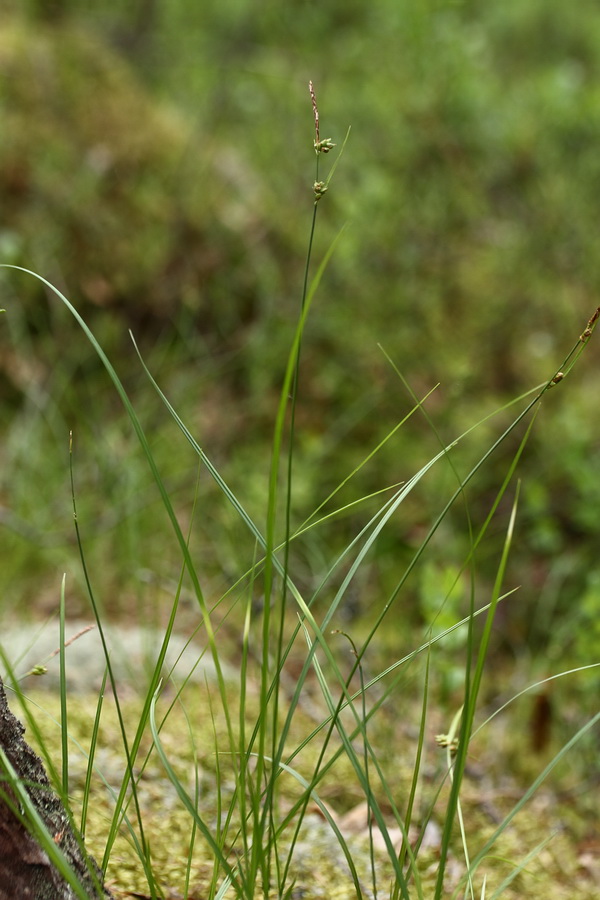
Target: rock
x=133 y=654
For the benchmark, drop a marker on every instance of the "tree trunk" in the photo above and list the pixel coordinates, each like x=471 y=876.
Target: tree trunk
x=26 y=871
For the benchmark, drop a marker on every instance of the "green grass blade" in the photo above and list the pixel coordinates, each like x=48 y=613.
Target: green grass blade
x=63 y=694
x=528 y=794
x=353 y=758
x=87 y=789
x=188 y=802
x=521 y=867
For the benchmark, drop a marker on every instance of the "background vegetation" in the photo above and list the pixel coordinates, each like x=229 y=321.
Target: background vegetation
x=156 y=164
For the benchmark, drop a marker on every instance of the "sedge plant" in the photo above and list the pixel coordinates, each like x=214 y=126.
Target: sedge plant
x=264 y=795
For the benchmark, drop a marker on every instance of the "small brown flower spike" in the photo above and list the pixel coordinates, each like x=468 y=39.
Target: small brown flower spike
x=590 y=326
x=325 y=145
x=315 y=111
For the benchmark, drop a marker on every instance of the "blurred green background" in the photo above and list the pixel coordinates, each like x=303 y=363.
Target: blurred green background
x=156 y=164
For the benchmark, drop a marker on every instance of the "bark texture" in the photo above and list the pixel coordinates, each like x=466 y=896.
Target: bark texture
x=26 y=872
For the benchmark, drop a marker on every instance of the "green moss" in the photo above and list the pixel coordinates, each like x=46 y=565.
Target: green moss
x=488 y=795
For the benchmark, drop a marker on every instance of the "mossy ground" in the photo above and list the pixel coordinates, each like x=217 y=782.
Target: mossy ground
x=564 y=867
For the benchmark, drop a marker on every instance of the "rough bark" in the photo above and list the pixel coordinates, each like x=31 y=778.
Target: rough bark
x=26 y=871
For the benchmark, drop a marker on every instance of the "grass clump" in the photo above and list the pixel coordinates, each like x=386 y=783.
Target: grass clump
x=312 y=704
